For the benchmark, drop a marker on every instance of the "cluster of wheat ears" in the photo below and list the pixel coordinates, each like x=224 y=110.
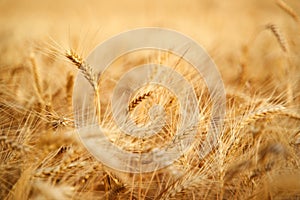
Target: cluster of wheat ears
x=257 y=155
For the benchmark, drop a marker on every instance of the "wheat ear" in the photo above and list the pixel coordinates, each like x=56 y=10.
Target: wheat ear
x=255 y=116
x=88 y=73
x=137 y=100
x=277 y=33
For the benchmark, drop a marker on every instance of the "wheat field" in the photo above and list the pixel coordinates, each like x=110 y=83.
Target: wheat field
x=254 y=44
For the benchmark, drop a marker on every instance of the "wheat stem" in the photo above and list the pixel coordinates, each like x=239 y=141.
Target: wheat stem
x=284 y=6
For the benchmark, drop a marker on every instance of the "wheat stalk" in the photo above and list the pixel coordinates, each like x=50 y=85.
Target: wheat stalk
x=284 y=6
x=36 y=76
x=69 y=89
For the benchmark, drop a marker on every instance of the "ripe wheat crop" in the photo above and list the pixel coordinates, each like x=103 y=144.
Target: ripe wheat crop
x=44 y=46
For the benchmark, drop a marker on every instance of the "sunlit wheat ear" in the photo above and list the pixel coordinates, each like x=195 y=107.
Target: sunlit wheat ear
x=268 y=112
x=84 y=68
x=88 y=73
x=262 y=113
x=137 y=100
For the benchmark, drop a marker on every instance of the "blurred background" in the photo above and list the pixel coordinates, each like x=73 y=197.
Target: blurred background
x=223 y=28
x=208 y=21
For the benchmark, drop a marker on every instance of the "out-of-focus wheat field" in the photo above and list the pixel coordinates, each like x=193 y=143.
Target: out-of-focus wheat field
x=255 y=45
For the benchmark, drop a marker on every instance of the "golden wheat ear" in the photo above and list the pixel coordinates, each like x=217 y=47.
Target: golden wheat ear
x=88 y=73
x=84 y=68
x=279 y=36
